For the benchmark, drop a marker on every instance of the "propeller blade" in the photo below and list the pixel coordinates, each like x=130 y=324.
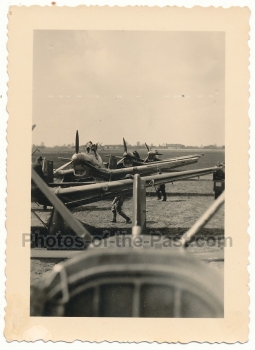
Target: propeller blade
x=62 y=166
x=125 y=145
x=145 y=160
x=120 y=161
x=147 y=147
x=77 y=142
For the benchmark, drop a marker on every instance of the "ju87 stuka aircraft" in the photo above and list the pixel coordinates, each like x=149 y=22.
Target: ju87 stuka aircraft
x=130 y=159
x=90 y=164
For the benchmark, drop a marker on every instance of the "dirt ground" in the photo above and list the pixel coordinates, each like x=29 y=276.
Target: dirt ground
x=186 y=202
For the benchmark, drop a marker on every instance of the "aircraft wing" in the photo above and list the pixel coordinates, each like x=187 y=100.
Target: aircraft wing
x=197 y=156
x=148 y=169
x=185 y=157
x=75 y=196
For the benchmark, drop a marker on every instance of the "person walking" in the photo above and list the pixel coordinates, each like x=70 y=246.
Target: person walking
x=37 y=167
x=161 y=192
x=117 y=208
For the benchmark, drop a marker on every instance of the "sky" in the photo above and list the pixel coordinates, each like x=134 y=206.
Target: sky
x=147 y=86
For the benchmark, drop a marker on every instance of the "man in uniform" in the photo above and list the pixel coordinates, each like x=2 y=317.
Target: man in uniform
x=161 y=191
x=117 y=208
x=37 y=167
x=94 y=149
x=219 y=180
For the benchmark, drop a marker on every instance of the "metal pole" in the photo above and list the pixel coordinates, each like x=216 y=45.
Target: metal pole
x=75 y=225
x=203 y=220
x=139 y=203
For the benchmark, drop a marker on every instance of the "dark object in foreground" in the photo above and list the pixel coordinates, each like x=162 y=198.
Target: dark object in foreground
x=130 y=282
x=161 y=191
x=144 y=277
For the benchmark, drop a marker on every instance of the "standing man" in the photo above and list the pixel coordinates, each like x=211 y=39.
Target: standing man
x=117 y=208
x=219 y=180
x=38 y=167
x=161 y=191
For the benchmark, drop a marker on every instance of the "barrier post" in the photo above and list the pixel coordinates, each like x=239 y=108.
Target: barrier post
x=139 y=205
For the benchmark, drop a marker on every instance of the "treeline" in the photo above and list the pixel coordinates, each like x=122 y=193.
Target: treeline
x=70 y=147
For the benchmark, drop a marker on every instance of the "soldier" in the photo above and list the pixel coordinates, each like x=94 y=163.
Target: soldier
x=219 y=180
x=94 y=149
x=117 y=208
x=161 y=191
x=38 y=167
x=88 y=146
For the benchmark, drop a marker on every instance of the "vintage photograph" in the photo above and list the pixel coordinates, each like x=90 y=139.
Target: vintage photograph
x=129 y=130
x=128 y=174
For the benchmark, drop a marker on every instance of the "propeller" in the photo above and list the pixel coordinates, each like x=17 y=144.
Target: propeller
x=77 y=142
x=121 y=160
x=126 y=154
x=148 y=149
x=151 y=153
x=145 y=160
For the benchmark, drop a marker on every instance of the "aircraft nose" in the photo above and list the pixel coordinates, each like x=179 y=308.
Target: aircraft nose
x=75 y=160
x=79 y=159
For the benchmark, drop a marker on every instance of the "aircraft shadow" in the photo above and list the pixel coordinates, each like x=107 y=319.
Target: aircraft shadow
x=89 y=208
